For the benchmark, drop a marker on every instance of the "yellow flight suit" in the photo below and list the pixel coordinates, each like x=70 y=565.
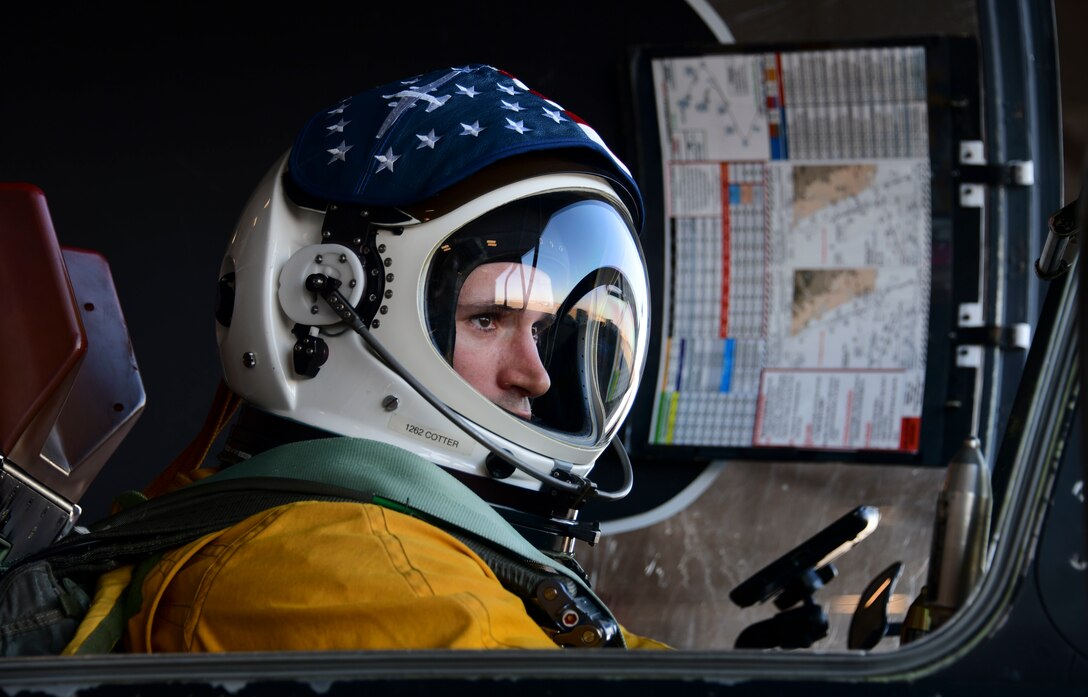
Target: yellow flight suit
x=322 y=576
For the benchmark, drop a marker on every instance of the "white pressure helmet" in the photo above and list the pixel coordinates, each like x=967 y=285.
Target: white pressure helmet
x=341 y=286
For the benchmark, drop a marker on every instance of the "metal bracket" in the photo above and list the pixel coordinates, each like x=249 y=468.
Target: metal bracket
x=1016 y=337
x=974 y=173
x=970 y=315
x=973 y=335
x=972 y=195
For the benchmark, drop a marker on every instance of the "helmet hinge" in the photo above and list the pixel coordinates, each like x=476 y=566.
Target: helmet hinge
x=351 y=227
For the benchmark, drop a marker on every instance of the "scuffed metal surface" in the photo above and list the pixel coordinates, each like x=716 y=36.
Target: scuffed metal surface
x=671 y=581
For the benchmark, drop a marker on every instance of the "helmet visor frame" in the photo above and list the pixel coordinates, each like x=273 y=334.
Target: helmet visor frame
x=540 y=306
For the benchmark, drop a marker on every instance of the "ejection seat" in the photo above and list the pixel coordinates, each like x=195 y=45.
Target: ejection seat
x=70 y=389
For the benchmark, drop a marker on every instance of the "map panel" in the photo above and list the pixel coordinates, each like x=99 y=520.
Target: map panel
x=797 y=249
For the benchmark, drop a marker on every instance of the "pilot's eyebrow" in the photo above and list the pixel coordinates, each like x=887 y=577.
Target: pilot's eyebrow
x=484 y=308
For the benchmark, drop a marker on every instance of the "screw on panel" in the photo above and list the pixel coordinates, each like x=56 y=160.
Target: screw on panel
x=388 y=294
x=384 y=310
x=389 y=277
x=381 y=249
x=388 y=261
x=390 y=403
x=249 y=359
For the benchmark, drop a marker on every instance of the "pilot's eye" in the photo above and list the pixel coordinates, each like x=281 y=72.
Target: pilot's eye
x=484 y=322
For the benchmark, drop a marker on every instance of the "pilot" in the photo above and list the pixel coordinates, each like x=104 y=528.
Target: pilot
x=435 y=299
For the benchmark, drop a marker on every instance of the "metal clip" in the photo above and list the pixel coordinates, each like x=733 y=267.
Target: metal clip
x=576 y=621
x=975 y=174
x=973 y=168
x=1055 y=258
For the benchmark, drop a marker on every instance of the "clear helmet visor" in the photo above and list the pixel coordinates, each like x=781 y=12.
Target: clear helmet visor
x=541 y=307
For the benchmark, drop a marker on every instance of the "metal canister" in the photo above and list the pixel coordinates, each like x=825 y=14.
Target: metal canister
x=959 y=554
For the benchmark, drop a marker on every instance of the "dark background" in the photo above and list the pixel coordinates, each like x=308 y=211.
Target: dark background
x=148 y=126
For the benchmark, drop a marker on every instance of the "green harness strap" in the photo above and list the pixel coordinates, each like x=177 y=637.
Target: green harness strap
x=393 y=474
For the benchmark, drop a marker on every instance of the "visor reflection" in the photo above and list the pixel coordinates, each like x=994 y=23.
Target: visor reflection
x=539 y=306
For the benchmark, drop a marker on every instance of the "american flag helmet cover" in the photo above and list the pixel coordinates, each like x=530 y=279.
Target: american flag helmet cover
x=408 y=140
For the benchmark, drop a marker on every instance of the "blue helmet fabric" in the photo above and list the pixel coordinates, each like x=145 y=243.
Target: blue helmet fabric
x=405 y=141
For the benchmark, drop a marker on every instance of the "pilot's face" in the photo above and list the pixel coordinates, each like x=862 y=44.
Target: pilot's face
x=501 y=310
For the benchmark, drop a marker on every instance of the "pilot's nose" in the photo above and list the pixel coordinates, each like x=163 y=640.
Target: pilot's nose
x=521 y=367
